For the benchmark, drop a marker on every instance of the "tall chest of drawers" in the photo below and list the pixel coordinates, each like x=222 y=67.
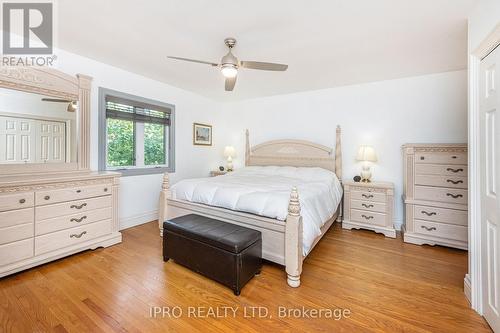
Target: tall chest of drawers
x=435 y=194
x=43 y=218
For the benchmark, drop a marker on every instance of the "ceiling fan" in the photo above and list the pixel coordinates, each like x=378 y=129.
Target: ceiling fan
x=71 y=104
x=229 y=65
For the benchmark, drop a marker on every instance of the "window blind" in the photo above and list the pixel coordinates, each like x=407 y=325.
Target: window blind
x=124 y=109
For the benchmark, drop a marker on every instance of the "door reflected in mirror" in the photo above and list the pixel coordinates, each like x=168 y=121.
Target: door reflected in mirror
x=36 y=128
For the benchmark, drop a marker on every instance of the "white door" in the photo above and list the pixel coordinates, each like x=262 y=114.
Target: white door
x=51 y=142
x=490 y=186
x=17 y=140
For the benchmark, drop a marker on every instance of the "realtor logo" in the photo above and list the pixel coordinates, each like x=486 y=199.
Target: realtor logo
x=27 y=28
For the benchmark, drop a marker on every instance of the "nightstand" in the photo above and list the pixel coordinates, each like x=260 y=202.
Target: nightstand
x=369 y=206
x=215 y=173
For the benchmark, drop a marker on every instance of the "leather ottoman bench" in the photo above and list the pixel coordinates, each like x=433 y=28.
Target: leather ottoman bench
x=227 y=253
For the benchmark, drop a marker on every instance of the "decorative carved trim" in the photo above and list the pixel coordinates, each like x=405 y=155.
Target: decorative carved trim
x=441 y=150
x=294 y=204
x=166 y=181
x=368 y=189
x=39 y=80
x=49 y=186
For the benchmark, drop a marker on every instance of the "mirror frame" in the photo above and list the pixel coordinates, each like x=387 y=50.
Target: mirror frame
x=54 y=83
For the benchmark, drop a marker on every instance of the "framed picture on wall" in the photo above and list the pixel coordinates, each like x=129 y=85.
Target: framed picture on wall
x=202 y=134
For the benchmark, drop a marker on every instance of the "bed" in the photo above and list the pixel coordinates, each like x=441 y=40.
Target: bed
x=290 y=190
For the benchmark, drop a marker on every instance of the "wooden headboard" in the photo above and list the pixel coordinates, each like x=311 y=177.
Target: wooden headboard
x=298 y=153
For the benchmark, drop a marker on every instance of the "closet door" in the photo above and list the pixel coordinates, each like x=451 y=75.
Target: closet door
x=17 y=140
x=51 y=142
x=490 y=186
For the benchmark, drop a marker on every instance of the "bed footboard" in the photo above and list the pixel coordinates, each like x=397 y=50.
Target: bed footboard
x=289 y=253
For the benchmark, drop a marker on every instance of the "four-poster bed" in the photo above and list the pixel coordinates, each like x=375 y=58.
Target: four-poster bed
x=282 y=240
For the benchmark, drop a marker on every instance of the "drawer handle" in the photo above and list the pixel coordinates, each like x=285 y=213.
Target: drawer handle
x=428 y=214
x=77 y=235
x=78 y=207
x=105 y=189
x=455 y=170
x=78 y=220
x=453 y=157
x=22 y=201
x=366 y=206
x=454 y=181
x=47 y=197
x=427 y=228
x=367 y=217
x=78 y=191
x=368 y=196
x=454 y=196
x=422 y=158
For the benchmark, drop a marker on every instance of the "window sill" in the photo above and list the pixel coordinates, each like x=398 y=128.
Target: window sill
x=142 y=171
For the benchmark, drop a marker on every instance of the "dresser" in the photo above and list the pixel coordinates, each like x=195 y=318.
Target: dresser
x=46 y=217
x=435 y=194
x=369 y=206
x=51 y=204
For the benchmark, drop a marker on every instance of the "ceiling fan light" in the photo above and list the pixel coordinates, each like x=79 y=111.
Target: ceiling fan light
x=229 y=70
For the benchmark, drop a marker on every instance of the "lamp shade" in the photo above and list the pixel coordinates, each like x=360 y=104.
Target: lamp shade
x=229 y=151
x=366 y=153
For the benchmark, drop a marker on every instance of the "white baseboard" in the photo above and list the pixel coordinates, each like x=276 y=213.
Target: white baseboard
x=467 y=288
x=134 y=220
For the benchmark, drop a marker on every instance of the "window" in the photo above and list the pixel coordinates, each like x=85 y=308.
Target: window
x=135 y=134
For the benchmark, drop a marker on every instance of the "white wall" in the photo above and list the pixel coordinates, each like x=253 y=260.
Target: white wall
x=482 y=21
x=387 y=114
x=139 y=194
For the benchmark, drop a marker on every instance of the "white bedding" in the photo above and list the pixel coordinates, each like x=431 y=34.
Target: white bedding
x=266 y=190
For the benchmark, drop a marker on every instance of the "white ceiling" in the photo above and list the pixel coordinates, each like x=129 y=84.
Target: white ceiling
x=326 y=43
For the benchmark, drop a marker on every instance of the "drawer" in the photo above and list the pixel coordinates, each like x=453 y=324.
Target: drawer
x=369 y=205
x=457 y=196
x=441 y=158
x=435 y=229
x=451 y=216
x=70 y=221
x=69 y=237
x=15 y=217
x=71 y=193
x=16 y=233
x=368 y=217
x=441 y=181
x=16 y=201
x=70 y=208
x=368 y=196
x=17 y=251
x=440 y=169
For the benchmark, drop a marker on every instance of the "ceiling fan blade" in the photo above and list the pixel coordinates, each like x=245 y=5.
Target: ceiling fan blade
x=57 y=100
x=230 y=82
x=265 y=66
x=193 y=60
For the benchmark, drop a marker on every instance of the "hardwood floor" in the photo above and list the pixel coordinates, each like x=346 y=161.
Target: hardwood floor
x=387 y=285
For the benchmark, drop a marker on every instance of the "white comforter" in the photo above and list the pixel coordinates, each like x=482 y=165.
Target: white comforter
x=266 y=190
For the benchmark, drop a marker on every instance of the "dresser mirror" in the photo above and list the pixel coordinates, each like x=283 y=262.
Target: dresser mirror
x=44 y=121
x=37 y=128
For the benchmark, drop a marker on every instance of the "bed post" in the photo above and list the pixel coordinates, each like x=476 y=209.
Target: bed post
x=293 y=241
x=247 y=147
x=164 y=195
x=338 y=165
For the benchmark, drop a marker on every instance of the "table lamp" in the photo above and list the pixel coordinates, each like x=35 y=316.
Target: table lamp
x=366 y=154
x=229 y=153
